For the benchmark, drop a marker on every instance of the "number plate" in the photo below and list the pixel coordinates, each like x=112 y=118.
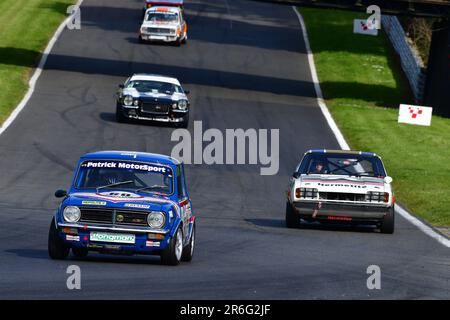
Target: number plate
x=112 y=237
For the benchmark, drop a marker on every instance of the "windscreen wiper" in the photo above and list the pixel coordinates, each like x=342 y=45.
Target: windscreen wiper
x=114 y=184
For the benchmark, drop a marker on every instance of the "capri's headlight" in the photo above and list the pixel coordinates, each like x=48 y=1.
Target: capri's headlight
x=71 y=214
x=128 y=100
x=156 y=219
x=182 y=104
x=136 y=102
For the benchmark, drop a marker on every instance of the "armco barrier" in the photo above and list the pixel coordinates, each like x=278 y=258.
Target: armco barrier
x=411 y=63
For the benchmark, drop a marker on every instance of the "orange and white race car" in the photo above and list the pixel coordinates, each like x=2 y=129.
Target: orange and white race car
x=165 y=24
x=167 y=3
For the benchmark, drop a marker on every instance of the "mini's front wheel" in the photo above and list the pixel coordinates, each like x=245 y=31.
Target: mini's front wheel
x=171 y=256
x=57 y=249
x=188 y=251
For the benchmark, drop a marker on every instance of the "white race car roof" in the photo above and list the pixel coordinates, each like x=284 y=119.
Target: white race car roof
x=164 y=9
x=155 y=77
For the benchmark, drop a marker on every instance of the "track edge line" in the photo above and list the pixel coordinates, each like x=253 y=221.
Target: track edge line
x=36 y=74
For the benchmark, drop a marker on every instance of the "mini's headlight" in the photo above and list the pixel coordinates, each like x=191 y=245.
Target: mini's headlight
x=182 y=104
x=128 y=100
x=156 y=219
x=71 y=214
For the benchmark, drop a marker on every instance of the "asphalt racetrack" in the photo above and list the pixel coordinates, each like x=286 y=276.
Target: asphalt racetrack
x=246 y=67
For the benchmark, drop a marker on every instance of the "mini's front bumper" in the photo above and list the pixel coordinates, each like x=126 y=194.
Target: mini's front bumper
x=340 y=211
x=147 y=241
x=159 y=37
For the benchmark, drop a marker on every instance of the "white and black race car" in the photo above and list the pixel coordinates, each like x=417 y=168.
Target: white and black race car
x=153 y=97
x=341 y=186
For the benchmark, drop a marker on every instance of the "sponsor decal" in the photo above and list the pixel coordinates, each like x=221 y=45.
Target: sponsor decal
x=339 y=218
x=95 y=203
x=152 y=243
x=126 y=165
x=137 y=206
x=72 y=238
x=112 y=237
x=119 y=194
x=341 y=185
x=94 y=246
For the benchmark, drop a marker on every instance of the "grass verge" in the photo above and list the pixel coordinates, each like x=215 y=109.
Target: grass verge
x=363 y=86
x=26 y=26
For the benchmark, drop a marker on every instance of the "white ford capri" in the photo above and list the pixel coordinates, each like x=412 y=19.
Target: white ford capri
x=338 y=186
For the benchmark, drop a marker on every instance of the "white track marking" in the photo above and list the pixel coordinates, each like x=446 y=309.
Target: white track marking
x=37 y=73
x=344 y=145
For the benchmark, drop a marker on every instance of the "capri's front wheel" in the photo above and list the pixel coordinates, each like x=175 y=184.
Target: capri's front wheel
x=388 y=223
x=292 y=219
x=57 y=249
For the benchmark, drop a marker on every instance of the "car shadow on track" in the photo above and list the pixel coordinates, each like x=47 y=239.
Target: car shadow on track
x=280 y=223
x=92 y=257
x=30 y=253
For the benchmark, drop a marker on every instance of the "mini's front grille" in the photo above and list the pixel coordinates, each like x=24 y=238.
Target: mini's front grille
x=96 y=215
x=155 y=108
x=111 y=216
x=160 y=30
x=131 y=218
x=341 y=196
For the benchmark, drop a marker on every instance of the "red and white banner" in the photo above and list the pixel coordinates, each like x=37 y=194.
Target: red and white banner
x=415 y=115
x=363 y=27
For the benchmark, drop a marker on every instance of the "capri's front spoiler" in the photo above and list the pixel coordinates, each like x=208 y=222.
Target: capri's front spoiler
x=340 y=211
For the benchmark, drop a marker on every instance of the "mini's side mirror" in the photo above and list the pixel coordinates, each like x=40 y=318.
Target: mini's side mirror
x=187 y=91
x=388 y=179
x=121 y=86
x=60 y=193
x=296 y=175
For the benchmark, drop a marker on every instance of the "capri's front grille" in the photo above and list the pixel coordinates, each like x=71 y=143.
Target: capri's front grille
x=111 y=216
x=341 y=196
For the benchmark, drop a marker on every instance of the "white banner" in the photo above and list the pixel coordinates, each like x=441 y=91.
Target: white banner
x=361 y=26
x=415 y=114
